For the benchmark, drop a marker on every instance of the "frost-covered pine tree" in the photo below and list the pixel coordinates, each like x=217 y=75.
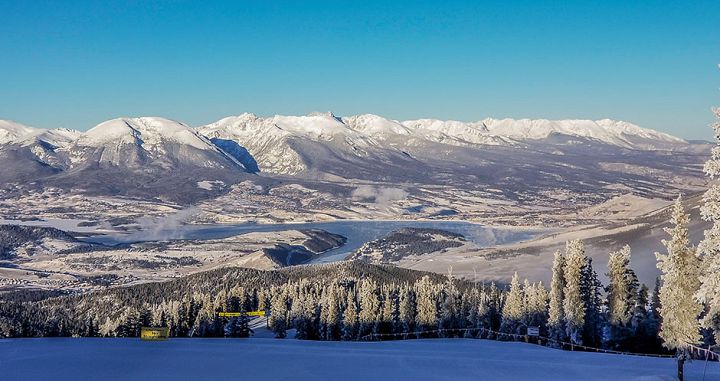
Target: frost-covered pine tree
x=305 y=316
x=407 y=309
x=680 y=269
x=278 y=312
x=556 y=316
x=573 y=303
x=389 y=314
x=370 y=312
x=331 y=314
x=449 y=309
x=622 y=288
x=622 y=292
x=471 y=311
x=427 y=309
x=514 y=309
x=492 y=316
x=350 y=318
x=536 y=305
x=591 y=293
x=709 y=292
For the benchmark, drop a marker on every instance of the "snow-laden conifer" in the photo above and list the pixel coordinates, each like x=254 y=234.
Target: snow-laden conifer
x=573 y=303
x=622 y=287
x=680 y=270
x=709 y=291
x=514 y=309
x=556 y=316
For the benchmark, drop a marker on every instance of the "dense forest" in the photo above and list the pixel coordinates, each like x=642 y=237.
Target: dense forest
x=341 y=301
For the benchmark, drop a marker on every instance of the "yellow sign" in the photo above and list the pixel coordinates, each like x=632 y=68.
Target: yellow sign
x=154 y=333
x=236 y=314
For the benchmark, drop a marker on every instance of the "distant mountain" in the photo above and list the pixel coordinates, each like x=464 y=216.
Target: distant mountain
x=618 y=133
x=146 y=144
x=276 y=143
x=153 y=157
x=11 y=131
x=157 y=157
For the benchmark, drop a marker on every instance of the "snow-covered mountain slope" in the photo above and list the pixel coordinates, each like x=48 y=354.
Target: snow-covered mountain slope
x=59 y=137
x=145 y=156
x=146 y=142
x=608 y=131
x=456 y=133
x=12 y=131
x=281 y=144
x=273 y=142
x=151 y=155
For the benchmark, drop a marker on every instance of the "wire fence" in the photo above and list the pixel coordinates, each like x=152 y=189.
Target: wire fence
x=703 y=353
x=695 y=351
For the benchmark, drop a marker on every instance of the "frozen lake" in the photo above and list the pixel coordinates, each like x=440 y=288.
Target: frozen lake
x=270 y=359
x=357 y=232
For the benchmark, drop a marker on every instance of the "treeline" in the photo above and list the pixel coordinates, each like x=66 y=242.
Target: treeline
x=350 y=301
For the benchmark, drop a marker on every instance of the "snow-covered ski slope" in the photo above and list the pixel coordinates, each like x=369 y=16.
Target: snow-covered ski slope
x=270 y=359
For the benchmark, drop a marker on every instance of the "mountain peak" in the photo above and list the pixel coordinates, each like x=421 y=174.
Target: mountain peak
x=11 y=131
x=328 y=114
x=145 y=128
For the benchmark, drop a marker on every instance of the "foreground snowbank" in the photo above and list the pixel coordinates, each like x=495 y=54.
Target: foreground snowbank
x=268 y=359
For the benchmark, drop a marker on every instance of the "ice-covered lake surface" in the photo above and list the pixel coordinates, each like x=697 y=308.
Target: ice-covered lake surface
x=270 y=359
x=357 y=232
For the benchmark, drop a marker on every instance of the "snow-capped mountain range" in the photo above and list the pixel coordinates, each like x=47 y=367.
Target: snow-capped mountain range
x=316 y=146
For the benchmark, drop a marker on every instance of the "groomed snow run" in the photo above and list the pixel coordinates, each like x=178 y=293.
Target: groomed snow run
x=270 y=359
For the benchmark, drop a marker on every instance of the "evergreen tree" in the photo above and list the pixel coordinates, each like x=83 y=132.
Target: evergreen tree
x=644 y=326
x=350 y=318
x=369 y=314
x=592 y=299
x=305 y=314
x=278 y=313
x=514 y=309
x=709 y=290
x=449 y=309
x=574 y=303
x=331 y=316
x=471 y=305
x=427 y=310
x=556 y=318
x=654 y=310
x=407 y=309
x=536 y=305
x=680 y=270
x=622 y=293
x=492 y=316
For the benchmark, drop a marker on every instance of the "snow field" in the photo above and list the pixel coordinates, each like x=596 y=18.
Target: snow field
x=270 y=359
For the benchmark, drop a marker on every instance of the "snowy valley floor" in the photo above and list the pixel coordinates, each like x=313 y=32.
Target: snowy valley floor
x=269 y=359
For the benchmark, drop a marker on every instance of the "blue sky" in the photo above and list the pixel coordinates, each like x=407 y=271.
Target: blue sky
x=75 y=63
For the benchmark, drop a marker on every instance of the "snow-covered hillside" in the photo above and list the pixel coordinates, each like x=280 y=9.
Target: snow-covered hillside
x=609 y=131
x=529 y=156
x=275 y=142
x=11 y=131
x=268 y=140
x=270 y=359
x=16 y=133
x=140 y=141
